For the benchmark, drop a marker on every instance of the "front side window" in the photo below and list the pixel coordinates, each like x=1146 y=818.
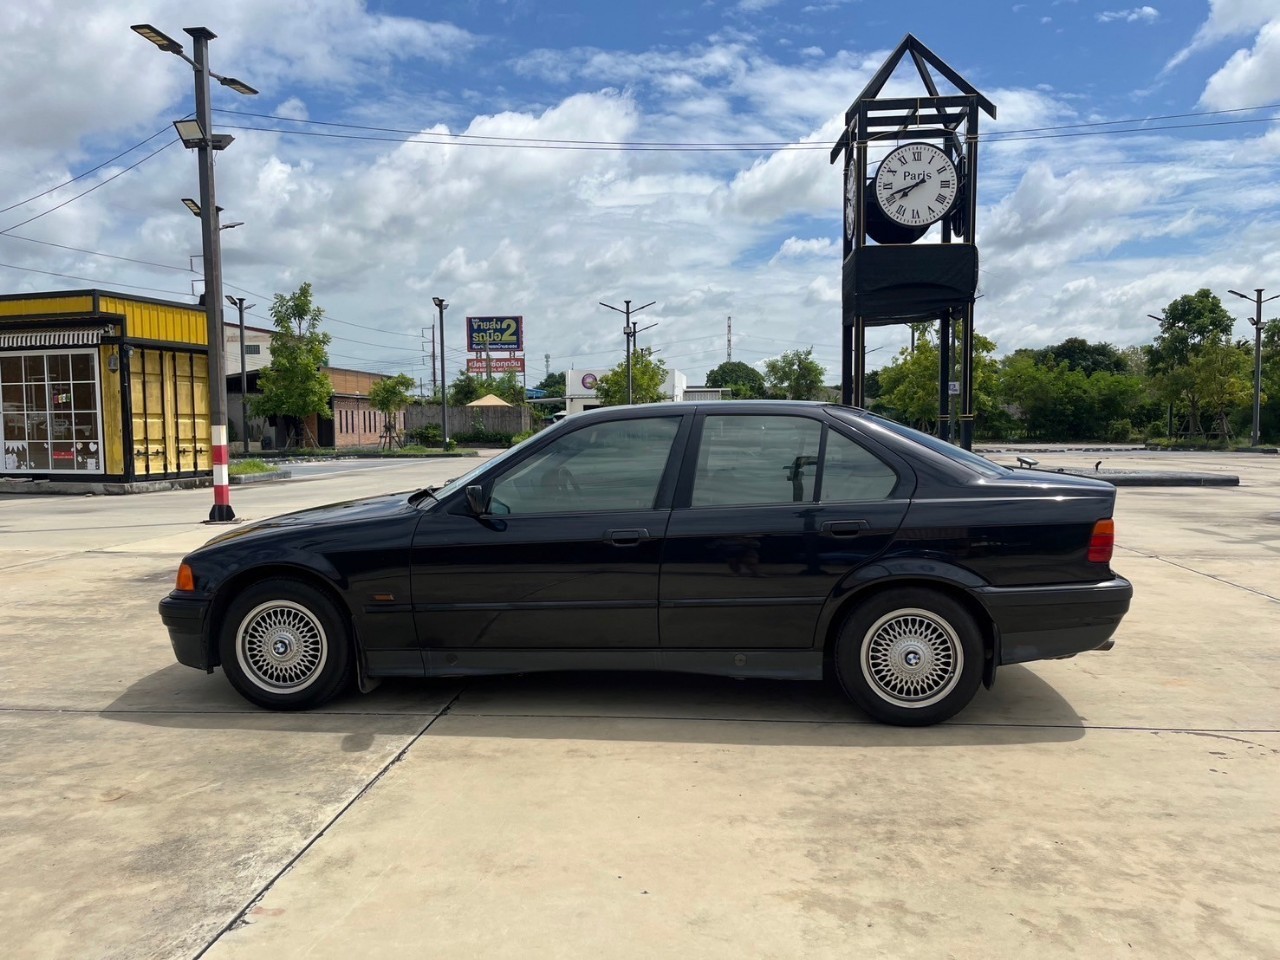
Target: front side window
x=605 y=466
x=756 y=459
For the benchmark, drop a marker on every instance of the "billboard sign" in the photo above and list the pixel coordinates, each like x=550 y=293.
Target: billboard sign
x=495 y=333
x=477 y=366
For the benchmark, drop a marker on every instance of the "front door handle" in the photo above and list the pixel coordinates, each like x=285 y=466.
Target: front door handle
x=626 y=538
x=843 y=528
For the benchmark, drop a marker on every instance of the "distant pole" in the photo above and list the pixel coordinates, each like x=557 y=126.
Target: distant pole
x=629 y=331
x=546 y=358
x=238 y=303
x=1257 y=357
x=442 y=305
x=728 y=337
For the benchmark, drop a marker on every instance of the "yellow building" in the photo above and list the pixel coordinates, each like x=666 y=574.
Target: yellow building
x=104 y=387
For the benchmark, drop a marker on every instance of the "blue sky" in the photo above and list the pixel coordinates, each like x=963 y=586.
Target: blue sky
x=514 y=168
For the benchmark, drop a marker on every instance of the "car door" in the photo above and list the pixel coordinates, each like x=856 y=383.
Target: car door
x=567 y=555
x=771 y=513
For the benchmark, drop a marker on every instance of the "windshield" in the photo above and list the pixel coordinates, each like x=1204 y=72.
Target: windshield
x=458 y=484
x=973 y=461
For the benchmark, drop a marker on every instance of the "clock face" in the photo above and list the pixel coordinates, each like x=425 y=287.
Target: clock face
x=916 y=184
x=850 y=192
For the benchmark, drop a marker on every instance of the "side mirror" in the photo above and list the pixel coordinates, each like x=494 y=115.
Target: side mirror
x=477 y=501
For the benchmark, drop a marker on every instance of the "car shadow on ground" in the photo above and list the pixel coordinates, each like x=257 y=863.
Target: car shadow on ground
x=1021 y=708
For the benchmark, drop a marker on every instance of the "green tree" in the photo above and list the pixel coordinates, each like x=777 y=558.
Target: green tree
x=553 y=384
x=1189 y=324
x=795 y=376
x=1079 y=354
x=909 y=384
x=293 y=385
x=647 y=376
x=389 y=396
x=744 y=381
x=467 y=388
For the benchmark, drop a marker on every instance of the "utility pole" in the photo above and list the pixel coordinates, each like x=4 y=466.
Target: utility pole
x=628 y=331
x=728 y=353
x=442 y=305
x=546 y=358
x=1257 y=355
x=238 y=303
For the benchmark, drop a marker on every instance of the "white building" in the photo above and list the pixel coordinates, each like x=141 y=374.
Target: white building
x=580 y=388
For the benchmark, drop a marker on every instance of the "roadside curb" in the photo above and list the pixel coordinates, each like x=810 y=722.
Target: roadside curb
x=261 y=477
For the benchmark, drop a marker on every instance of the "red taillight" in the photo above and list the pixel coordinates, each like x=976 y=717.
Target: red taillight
x=187 y=579
x=1102 y=542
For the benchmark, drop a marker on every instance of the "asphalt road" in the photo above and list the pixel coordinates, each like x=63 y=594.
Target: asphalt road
x=1118 y=804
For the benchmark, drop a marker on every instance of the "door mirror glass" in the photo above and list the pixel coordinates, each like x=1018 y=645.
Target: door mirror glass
x=476 y=500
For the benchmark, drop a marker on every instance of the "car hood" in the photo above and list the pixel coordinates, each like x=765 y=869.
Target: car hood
x=366 y=508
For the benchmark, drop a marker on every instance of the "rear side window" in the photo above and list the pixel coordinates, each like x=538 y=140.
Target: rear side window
x=756 y=459
x=850 y=472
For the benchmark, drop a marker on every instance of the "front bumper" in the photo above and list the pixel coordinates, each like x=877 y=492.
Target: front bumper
x=1047 y=623
x=186 y=618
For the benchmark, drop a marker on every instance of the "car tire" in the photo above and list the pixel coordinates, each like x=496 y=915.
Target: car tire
x=909 y=657
x=285 y=646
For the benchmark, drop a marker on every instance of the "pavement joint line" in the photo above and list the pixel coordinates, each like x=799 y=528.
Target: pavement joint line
x=447 y=709
x=27 y=563
x=1229 y=583
x=238 y=919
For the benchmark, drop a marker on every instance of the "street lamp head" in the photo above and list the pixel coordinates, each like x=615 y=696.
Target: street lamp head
x=165 y=43
x=1240 y=295
x=440 y=302
x=231 y=225
x=239 y=86
x=192 y=206
x=220 y=141
x=189 y=132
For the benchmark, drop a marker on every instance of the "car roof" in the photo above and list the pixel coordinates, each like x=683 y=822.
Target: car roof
x=716 y=406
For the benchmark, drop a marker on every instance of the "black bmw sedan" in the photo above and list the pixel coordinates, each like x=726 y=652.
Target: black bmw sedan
x=745 y=539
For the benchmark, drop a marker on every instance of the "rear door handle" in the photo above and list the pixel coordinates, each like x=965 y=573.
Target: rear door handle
x=626 y=538
x=843 y=528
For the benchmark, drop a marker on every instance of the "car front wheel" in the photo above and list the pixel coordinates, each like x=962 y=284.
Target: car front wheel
x=910 y=657
x=285 y=646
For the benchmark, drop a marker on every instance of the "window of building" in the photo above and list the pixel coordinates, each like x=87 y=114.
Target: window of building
x=51 y=422
x=254 y=348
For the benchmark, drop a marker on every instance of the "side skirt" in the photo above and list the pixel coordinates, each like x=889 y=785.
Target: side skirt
x=774 y=664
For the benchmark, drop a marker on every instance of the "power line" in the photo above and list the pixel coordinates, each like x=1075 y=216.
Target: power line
x=67 y=276
x=97 y=253
x=480 y=140
x=81 y=176
x=91 y=189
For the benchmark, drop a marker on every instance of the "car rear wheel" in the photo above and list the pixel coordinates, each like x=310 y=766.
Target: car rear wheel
x=285 y=646
x=910 y=657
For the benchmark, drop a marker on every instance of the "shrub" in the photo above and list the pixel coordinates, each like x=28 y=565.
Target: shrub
x=428 y=435
x=1119 y=431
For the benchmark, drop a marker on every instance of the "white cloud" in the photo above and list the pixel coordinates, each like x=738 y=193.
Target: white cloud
x=1132 y=15
x=1249 y=77
x=1227 y=19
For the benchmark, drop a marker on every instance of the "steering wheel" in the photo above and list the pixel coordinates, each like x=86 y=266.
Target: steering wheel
x=567 y=482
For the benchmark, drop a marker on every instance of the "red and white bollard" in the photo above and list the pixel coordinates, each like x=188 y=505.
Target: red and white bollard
x=221 y=511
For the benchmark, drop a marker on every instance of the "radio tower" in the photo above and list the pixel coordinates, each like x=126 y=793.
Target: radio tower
x=728 y=353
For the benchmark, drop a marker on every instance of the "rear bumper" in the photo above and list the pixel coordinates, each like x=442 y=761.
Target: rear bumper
x=185 y=618
x=1046 y=623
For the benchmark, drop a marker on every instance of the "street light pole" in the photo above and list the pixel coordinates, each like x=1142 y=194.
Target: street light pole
x=628 y=331
x=1257 y=356
x=205 y=143
x=238 y=303
x=442 y=305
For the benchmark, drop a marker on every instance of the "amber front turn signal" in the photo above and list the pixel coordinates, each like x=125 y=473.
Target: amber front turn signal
x=1103 y=541
x=186 y=579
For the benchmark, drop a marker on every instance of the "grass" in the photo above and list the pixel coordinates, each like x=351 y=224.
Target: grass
x=239 y=468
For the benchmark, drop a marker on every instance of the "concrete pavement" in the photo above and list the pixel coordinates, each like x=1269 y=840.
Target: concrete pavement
x=1115 y=804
